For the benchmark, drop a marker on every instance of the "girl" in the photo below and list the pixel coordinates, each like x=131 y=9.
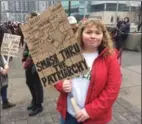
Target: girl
x=96 y=91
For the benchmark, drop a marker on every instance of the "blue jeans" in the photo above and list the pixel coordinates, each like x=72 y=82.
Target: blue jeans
x=4 y=94
x=69 y=120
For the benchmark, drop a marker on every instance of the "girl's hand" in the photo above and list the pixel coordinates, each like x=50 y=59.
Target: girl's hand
x=82 y=115
x=67 y=87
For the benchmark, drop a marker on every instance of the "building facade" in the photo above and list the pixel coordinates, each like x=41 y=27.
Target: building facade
x=108 y=11
x=16 y=10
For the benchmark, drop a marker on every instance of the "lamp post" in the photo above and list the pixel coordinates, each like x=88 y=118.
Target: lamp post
x=116 y=15
x=85 y=8
x=69 y=8
x=0 y=12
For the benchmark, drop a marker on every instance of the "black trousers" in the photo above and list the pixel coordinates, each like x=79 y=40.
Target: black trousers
x=35 y=86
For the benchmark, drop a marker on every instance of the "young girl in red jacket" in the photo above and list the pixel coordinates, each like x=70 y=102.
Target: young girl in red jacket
x=96 y=91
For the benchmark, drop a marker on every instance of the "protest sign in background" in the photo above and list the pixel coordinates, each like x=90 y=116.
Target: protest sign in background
x=10 y=45
x=53 y=46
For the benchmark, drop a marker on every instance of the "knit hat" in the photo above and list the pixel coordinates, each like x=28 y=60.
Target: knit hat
x=72 y=20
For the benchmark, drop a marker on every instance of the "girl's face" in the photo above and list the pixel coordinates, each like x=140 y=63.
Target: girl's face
x=92 y=37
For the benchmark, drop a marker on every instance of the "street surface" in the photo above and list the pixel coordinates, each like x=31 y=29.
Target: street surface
x=126 y=110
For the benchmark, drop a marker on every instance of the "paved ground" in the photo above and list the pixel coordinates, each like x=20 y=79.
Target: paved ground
x=126 y=110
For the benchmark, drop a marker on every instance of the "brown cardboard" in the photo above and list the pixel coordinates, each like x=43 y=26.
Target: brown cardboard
x=53 y=46
x=10 y=45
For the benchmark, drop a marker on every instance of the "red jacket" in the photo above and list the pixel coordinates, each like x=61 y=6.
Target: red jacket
x=103 y=90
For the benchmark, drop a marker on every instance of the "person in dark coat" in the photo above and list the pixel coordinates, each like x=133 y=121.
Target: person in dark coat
x=119 y=23
x=32 y=81
x=118 y=41
x=116 y=37
x=125 y=29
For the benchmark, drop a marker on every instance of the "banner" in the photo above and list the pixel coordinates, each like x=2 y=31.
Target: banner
x=10 y=45
x=53 y=46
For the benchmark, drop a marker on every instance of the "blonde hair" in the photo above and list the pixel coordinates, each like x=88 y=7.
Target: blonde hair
x=106 y=41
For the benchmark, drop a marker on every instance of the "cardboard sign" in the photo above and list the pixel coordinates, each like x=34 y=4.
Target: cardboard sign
x=53 y=46
x=10 y=45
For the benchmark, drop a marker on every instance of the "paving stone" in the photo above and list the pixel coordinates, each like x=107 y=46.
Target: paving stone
x=34 y=120
x=57 y=122
x=5 y=112
x=130 y=117
x=55 y=117
x=118 y=108
x=47 y=120
x=119 y=117
x=114 y=121
x=21 y=122
x=18 y=114
x=45 y=113
x=125 y=122
x=4 y=118
x=125 y=104
x=7 y=122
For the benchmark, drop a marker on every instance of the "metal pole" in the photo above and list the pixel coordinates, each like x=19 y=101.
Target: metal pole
x=85 y=9
x=116 y=12
x=0 y=12
x=69 y=8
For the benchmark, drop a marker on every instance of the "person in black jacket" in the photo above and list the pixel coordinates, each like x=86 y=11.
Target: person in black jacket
x=126 y=28
x=32 y=81
x=118 y=41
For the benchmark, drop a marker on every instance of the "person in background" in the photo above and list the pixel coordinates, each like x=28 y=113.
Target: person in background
x=118 y=42
x=4 y=84
x=125 y=28
x=120 y=22
x=139 y=27
x=19 y=32
x=32 y=80
x=73 y=22
x=95 y=91
x=4 y=76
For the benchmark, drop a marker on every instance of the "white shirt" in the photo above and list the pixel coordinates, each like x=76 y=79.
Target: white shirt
x=80 y=85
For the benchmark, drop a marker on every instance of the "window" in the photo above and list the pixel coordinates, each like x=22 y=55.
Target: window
x=97 y=8
x=133 y=9
x=111 y=20
x=123 y=7
x=73 y=10
x=111 y=6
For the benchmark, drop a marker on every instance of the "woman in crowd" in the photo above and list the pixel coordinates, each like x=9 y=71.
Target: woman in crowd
x=118 y=42
x=96 y=91
x=32 y=80
x=125 y=29
x=4 y=74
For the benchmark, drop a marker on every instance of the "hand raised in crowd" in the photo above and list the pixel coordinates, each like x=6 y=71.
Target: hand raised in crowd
x=67 y=87
x=4 y=70
x=6 y=67
x=82 y=115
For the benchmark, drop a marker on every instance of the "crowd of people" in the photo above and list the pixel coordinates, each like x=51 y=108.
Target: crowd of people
x=96 y=91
